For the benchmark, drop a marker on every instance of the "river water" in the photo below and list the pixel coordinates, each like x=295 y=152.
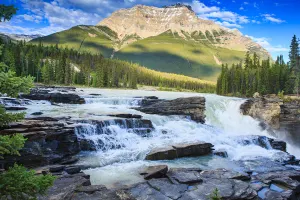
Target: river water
x=225 y=128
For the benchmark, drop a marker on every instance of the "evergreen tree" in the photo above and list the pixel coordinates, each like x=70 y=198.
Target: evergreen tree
x=294 y=54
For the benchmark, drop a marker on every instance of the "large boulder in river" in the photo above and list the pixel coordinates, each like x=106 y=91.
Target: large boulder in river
x=193 y=107
x=180 y=150
x=55 y=95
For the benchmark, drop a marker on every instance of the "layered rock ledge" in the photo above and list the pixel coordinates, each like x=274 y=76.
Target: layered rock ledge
x=54 y=95
x=193 y=107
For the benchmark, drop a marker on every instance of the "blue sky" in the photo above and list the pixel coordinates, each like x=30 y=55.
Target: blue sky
x=271 y=23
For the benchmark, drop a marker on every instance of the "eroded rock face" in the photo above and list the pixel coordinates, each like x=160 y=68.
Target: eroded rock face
x=290 y=116
x=266 y=109
x=55 y=95
x=48 y=141
x=193 y=107
x=180 y=150
x=277 y=114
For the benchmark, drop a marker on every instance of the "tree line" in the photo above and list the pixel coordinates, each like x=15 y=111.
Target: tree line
x=53 y=65
x=262 y=76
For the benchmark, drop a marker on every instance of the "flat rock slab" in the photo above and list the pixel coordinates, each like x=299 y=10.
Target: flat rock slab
x=180 y=150
x=193 y=107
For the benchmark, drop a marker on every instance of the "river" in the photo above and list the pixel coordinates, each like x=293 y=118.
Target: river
x=225 y=128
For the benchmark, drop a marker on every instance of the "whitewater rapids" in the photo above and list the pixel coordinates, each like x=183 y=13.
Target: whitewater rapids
x=224 y=128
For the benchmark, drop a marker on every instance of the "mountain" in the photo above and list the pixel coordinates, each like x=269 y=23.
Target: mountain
x=19 y=37
x=170 y=39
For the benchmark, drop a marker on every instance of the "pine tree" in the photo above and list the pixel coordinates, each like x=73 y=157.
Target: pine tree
x=294 y=54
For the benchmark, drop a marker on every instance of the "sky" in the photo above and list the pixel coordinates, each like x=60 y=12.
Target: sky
x=271 y=23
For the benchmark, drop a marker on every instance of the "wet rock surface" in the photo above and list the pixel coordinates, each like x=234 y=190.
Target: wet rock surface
x=193 y=107
x=54 y=94
x=180 y=150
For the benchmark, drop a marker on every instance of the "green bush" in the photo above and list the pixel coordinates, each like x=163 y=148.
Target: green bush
x=18 y=183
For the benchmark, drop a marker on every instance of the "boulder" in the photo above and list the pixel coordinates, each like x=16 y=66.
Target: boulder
x=151 y=172
x=264 y=142
x=37 y=113
x=192 y=107
x=278 y=144
x=180 y=150
x=222 y=153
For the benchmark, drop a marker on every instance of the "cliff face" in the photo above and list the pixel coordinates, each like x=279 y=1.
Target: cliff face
x=146 y=21
x=276 y=113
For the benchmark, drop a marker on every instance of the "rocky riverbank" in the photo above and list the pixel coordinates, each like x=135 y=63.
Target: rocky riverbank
x=182 y=184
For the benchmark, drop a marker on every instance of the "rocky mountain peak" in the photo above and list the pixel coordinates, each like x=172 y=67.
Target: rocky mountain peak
x=146 y=21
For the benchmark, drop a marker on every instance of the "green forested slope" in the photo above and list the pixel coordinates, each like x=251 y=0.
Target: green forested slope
x=187 y=54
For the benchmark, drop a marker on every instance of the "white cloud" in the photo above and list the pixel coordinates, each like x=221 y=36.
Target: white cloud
x=271 y=18
x=31 y=18
x=264 y=42
x=62 y=17
x=223 y=17
x=201 y=8
x=229 y=25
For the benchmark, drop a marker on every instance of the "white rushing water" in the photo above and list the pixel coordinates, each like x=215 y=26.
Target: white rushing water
x=121 y=153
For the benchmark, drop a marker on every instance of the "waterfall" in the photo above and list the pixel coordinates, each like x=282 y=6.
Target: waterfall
x=119 y=140
x=121 y=145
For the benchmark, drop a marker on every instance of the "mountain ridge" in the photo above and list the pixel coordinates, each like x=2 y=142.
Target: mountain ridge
x=170 y=39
